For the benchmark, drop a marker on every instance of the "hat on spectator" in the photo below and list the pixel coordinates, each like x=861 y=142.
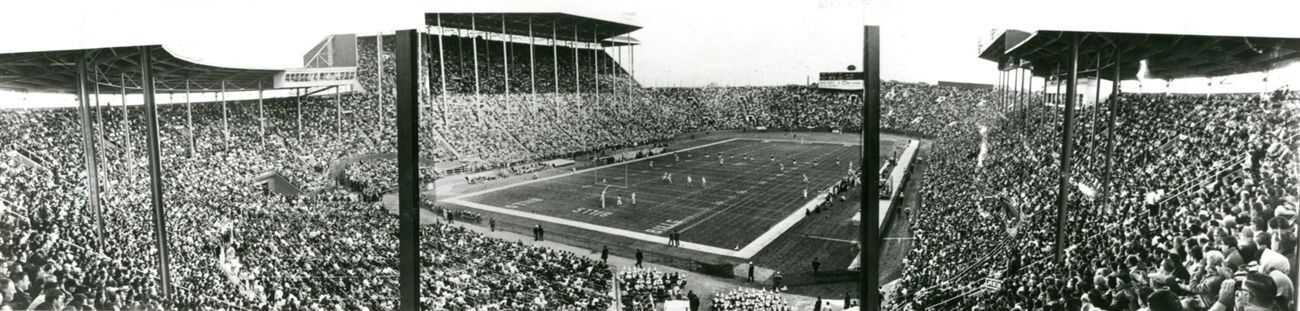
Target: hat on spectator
x=1163 y=300
x=1262 y=288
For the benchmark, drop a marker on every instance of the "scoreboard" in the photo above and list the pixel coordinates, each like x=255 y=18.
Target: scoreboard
x=848 y=80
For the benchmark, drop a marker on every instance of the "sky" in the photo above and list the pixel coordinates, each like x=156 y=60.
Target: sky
x=684 y=42
x=932 y=40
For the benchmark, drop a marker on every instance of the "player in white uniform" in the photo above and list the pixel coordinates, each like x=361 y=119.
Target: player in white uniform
x=689 y=180
x=620 y=200
x=634 y=198
x=703 y=182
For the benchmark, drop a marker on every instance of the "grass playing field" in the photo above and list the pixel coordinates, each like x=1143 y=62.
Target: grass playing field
x=744 y=200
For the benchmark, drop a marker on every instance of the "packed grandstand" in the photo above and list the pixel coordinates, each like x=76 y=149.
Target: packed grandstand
x=1227 y=174
x=239 y=245
x=1201 y=216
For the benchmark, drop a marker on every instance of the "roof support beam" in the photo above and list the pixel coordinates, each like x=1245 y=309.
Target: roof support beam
x=189 y=116
x=225 y=116
x=126 y=126
x=505 y=55
x=88 y=150
x=408 y=175
x=1067 y=148
x=442 y=59
x=155 y=177
x=555 y=58
x=532 y=58
x=869 y=231
x=1110 y=133
x=474 y=42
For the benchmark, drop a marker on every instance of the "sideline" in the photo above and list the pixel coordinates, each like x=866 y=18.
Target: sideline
x=459 y=197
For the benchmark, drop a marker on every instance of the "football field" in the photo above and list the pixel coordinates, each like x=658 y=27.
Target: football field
x=742 y=193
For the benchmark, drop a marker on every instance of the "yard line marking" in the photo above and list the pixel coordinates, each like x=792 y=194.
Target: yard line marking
x=728 y=208
x=586 y=170
x=804 y=141
x=830 y=239
x=780 y=228
x=598 y=228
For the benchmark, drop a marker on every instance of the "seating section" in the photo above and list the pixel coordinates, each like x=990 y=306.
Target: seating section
x=1194 y=179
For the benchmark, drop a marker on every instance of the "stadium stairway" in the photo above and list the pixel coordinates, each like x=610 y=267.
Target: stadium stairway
x=445 y=145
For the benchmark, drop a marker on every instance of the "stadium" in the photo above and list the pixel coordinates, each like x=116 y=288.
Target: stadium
x=487 y=161
x=1103 y=171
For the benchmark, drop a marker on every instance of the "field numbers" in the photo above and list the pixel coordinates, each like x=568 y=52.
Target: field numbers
x=523 y=203
x=592 y=212
x=664 y=226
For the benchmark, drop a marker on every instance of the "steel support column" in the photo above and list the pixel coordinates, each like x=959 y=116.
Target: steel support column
x=632 y=61
x=577 y=67
x=88 y=149
x=1096 y=116
x=555 y=57
x=532 y=58
x=225 y=117
x=1002 y=88
x=189 y=118
x=1067 y=147
x=408 y=174
x=1110 y=134
x=1029 y=102
x=126 y=123
x=99 y=133
x=1047 y=97
x=1012 y=92
x=505 y=54
x=1056 y=97
x=595 y=63
x=261 y=115
x=473 y=25
x=297 y=98
x=379 y=80
x=619 y=50
x=338 y=112
x=99 y=117
x=442 y=60
x=869 y=231
x=1024 y=91
x=155 y=176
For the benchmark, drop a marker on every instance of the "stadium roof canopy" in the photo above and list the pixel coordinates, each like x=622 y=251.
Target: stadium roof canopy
x=563 y=25
x=56 y=71
x=1168 y=56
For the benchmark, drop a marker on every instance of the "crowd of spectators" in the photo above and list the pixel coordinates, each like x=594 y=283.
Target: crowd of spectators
x=235 y=246
x=642 y=288
x=469 y=270
x=749 y=299
x=1200 y=209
